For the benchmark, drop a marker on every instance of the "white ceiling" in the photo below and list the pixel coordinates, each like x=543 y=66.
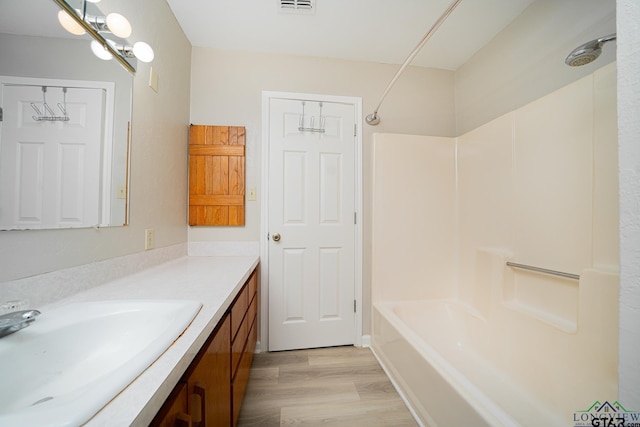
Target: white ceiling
x=369 y=30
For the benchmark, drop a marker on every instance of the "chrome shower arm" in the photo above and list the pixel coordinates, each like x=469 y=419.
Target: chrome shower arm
x=373 y=118
x=607 y=38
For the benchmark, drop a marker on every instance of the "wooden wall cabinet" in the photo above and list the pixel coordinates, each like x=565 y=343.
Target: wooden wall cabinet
x=216 y=175
x=211 y=391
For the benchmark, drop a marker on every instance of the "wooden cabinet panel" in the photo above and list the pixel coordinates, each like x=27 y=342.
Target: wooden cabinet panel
x=238 y=347
x=252 y=314
x=216 y=175
x=238 y=310
x=174 y=412
x=210 y=378
x=244 y=347
x=253 y=285
x=242 y=375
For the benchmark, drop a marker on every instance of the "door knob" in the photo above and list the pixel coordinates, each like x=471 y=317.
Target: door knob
x=275 y=237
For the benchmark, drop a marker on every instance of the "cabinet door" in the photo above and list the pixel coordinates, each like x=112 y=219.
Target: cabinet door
x=209 y=383
x=216 y=175
x=174 y=411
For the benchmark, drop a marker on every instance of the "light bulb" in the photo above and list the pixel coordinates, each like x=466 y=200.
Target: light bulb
x=143 y=51
x=118 y=25
x=99 y=51
x=70 y=24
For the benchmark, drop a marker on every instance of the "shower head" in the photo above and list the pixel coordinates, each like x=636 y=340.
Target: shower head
x=587 y=52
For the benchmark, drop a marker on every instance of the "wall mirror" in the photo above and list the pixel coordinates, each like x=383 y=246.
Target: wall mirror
x=65 y=125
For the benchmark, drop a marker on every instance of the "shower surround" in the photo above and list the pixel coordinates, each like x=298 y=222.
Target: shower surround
x=467 y=339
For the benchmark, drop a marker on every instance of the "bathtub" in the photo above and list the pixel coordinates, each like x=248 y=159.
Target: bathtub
x=451 y=372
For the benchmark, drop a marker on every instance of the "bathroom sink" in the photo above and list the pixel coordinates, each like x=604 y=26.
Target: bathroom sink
x=74 y=359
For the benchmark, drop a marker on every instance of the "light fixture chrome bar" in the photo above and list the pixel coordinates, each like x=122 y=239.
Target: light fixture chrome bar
x=99 y=23
x=543 y=270
x=89 y=29
x=125 y=50
x=373 y=118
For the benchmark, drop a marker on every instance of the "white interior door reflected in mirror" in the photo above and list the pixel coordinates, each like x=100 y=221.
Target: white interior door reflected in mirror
x=55 y=142
x=56 y=55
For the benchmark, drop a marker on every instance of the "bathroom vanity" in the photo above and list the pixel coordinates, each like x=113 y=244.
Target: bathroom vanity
x=210 y=392
x=203 y=373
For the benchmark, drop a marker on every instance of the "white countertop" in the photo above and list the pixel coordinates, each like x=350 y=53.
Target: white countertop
x=214 y=281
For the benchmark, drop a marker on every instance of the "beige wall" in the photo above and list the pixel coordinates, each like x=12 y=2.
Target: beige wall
x=158 y=162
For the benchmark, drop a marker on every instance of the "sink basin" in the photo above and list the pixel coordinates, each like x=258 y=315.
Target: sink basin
x=74 y=359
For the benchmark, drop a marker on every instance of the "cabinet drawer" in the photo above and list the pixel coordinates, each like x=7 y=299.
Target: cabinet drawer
x=253 y=285
x=238 y=311
x=239 y=343
x=239 y=385
x=238 y=346
x=252 y=312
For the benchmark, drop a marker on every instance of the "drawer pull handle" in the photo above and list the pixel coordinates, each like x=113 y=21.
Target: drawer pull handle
x=198 y=405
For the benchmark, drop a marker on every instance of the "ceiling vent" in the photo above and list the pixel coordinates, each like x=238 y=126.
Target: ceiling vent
x=297 y=6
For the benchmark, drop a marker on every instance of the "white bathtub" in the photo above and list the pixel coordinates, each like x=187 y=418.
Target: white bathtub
x=444 y=363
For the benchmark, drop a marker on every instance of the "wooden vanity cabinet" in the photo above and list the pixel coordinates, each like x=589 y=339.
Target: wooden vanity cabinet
x=211 y=390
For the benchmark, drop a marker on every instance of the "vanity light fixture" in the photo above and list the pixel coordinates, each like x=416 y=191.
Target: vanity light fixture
x=140 y=50
x=113 y=23
x=78 y=22
x=101 y=51
x=70 y=24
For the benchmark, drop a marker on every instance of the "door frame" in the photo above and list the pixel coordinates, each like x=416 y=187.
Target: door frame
x=264 y=208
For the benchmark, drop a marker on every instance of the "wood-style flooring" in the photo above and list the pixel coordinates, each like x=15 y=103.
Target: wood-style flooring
x=338 y=386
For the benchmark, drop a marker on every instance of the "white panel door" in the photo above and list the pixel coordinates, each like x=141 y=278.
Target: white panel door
x=50 y=170
x=311 y=224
